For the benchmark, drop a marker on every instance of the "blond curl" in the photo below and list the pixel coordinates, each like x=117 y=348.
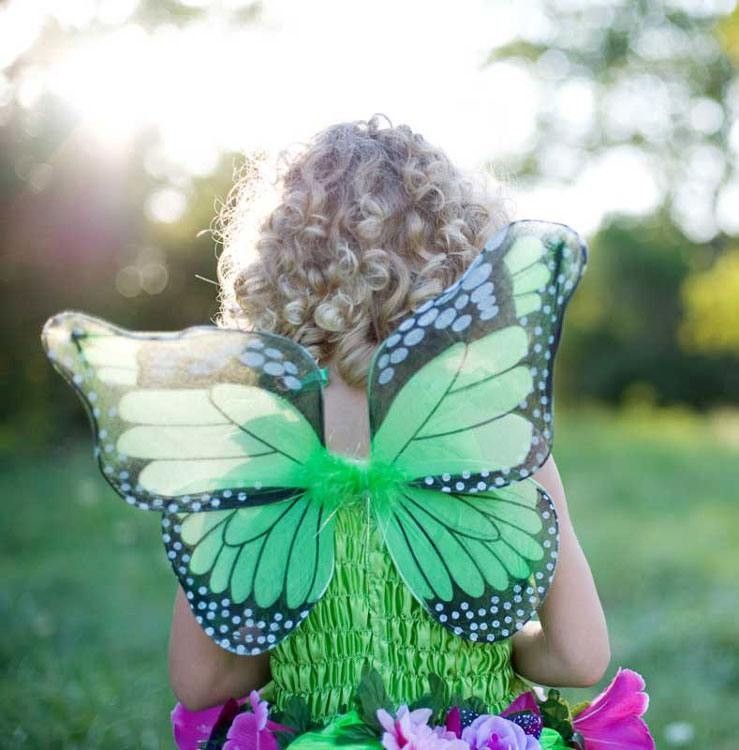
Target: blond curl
x=364 y=225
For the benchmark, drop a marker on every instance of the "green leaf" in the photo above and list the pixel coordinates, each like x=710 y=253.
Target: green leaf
x=552 y=740
x=473 y=703
x=456 y=700
x=437 y=685
x=520 y=48
x=295 y=714
x=435 y=699
x=421 y=702
x=284 y=739
x=555 y=713
x=371 y=696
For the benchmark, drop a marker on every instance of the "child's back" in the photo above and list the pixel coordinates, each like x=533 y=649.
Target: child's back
x=346 y=418
x=416 y=526
x=371 y=225
x=368 y=616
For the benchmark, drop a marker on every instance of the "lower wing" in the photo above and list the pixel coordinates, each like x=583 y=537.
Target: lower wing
x=480 y=563
x=251 y=575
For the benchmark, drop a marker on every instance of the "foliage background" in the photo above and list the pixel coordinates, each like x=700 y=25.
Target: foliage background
x=647 y=377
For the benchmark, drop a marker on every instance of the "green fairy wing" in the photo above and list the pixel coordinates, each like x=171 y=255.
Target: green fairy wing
x=482 y=411
x=214 y=429
x=460 y=400
x=251 y=575
x=203 y=418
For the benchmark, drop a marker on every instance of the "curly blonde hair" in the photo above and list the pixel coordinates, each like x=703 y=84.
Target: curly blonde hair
x=370 y=222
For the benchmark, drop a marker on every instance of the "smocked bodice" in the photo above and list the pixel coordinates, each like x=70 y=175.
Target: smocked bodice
x=368 y=615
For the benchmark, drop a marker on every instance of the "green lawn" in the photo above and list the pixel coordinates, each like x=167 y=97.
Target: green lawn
x=87 y=592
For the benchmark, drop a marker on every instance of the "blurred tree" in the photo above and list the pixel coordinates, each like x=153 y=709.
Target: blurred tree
x=657 y=82
x=656 y=78
x=711 y=300
x=623 y=324
x=121 y=233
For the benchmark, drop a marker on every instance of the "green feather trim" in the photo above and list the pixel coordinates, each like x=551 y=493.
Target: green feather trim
x=333 y=480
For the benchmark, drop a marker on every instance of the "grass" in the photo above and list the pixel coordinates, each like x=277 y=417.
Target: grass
x=653 y=497
x=87 y=592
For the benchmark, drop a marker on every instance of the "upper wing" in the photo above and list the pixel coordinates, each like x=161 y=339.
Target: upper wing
x=201 y=419
x=460 y=395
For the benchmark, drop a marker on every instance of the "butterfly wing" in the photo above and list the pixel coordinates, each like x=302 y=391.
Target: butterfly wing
x=460 y=394
x=213 y=428
x=461 y=408
x=252 y=574
x=479 y=563
x=203 y=418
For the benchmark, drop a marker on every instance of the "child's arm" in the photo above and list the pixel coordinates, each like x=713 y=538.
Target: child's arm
x=568 y=647
x=203 y=674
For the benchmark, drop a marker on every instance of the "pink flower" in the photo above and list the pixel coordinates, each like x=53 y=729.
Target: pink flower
x=192 y=727
x=247 y=730
x=613 y=718
x=409 y=730
x=252 y=730
x=488 y=732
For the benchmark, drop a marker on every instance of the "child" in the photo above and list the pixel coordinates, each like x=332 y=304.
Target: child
x=373 y=222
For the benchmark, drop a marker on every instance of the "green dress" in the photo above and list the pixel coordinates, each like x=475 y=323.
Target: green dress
x=368 y=615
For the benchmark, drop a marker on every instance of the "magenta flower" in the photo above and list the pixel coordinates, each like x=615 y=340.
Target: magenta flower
x=488 y=732
x=409 y=730
x=192 y=727
x=247 y=730
x=524 y=702
x=252 y=730
x=613 y=719
x=453 y=721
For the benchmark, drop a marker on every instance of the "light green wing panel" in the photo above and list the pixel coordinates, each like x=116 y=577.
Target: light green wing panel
x=197 y=419
x=236 y=436
x=456 y=415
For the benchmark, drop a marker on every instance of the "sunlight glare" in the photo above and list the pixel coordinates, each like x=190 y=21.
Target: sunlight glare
x=104 y=80
x=166 y=205
x=213 y=86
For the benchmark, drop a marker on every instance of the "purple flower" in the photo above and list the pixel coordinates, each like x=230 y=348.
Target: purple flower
x=453 y=721
x=488 y=732
x=250 y=730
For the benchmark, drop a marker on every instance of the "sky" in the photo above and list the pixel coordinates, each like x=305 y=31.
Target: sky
x=214 y=86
